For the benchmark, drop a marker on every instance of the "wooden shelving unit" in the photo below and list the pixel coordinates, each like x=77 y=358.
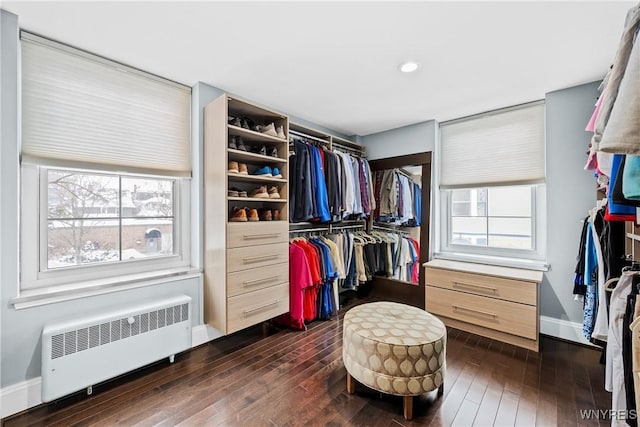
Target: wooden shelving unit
x=246 y=265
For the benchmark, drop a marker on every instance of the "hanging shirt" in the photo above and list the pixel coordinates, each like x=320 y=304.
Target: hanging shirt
x=348 y=189
x=322 y=204
x=299 y=279
x=590 y=281
x=417 y=202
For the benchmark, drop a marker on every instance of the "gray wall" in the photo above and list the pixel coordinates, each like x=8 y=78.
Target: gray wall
x=20 y=330
x=571 y=192
x=417 y=138
x=412 y=139
x=570 y=189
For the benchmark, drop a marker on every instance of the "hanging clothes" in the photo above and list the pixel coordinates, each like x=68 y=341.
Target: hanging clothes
x=616 y=75
x=330 y=185
x=398 y=197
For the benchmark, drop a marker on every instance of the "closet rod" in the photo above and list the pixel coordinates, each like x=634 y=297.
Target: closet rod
x=405 y=173
x=304 y=135
x=349 y=150
x=390 y=229
x=347 y=227
x=330 y=228
x=309 y=230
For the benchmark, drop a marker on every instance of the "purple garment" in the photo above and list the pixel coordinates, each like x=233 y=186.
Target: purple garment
x=364 y=189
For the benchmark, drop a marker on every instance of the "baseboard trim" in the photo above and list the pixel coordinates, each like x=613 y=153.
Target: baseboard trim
x=202 y=334
x=563 y=329
x=27 y=394
x=19 y=397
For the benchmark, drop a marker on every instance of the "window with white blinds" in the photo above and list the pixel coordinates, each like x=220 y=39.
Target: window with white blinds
x=81 y=110
x=105 y=173
x=504 y=147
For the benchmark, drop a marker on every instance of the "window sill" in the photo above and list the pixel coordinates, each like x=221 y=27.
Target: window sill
x=525 y=264
x=43 y=296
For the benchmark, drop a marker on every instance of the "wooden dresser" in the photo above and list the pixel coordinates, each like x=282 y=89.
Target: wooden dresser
x=496 y=302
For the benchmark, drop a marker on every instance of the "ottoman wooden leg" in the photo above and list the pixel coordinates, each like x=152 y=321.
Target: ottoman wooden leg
x=351 y=384
x=408 y=407
x=441 y=390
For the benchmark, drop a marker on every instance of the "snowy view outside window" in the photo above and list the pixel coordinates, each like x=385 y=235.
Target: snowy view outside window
x=495 y=217
x=101 y=218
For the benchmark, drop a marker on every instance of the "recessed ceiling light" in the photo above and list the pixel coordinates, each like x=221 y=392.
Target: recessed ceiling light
x=409 y=67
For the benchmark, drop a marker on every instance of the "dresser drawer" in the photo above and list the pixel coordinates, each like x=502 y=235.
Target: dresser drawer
x=256 y=233
x=256 y=256
x=509 y=317
x=479 y=284
x=254 y=279
x=257 y=306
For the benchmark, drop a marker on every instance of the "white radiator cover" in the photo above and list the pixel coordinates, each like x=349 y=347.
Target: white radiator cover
x=82 y=352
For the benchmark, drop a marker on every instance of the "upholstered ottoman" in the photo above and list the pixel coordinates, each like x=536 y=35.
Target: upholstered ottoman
x=394 y=348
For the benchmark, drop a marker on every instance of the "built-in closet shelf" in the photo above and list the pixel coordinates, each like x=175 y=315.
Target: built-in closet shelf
x=307 y=131
x=253 y=178
x=253 y=136
x=346 y=143
x=633 y=236
x=256 y=199
x=246 y=268
x=240 y=107
x=246 y=156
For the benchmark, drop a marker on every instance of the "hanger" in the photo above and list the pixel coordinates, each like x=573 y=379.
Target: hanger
x=635 y=266
x=609 y=285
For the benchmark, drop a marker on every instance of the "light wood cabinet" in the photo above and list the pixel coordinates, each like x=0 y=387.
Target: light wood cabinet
x=246 y=264
x=496 y=302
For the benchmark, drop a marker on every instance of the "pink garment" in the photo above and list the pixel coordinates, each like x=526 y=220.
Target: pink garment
x=592 y=161
x=415 y=269
x=299 y=279
x=591 y=126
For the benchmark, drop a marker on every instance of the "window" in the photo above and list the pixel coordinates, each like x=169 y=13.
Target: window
x=494 y=217
x=105 y=170
x=492 y=184
x=102 y=218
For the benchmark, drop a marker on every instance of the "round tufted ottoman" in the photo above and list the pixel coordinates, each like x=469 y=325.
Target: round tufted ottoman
x=394 y=348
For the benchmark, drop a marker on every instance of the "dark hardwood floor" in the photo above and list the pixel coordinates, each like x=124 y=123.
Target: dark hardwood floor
x=268 y=377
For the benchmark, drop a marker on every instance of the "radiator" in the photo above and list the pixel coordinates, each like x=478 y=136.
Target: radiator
x=80 y=353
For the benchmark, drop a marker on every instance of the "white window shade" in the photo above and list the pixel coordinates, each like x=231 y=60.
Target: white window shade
x=81 y=110
x=501 y=148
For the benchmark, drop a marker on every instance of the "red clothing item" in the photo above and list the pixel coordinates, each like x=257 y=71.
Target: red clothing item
x=310 y=303
x=313 y=261
x=415 y=269
x=299 y=279
x=300 y=284
x=616 y=217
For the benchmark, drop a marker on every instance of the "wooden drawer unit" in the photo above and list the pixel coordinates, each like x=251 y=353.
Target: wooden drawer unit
x=497 y=302
x=239 y=259
x=258 y=233
x=489 y=286
x=257 y=306
x=505 y=316
x=254 y=279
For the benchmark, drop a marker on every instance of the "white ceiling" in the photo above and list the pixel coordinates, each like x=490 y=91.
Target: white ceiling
x=336 y=63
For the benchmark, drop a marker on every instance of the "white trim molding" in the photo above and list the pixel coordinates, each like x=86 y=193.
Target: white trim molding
x=563 y=329
x=27 y=394
x=202 y=334
x=19 y=397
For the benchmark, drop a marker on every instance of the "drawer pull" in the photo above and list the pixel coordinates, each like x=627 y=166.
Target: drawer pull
x=258 y=281
x=473 y=310
x=260 y=236
x=249 y=260
x=473 y=285
x=262 y=307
